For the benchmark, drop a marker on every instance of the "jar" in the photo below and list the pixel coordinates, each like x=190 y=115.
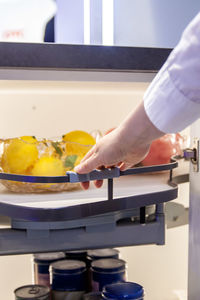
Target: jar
x=92 y=296
x=42 y=262
x=33 y=292
x=82 y=256
x=102 y=253
x=68 y=278
x=99 y=254
x=107 y=271
x=123 y=290
x=77 y=255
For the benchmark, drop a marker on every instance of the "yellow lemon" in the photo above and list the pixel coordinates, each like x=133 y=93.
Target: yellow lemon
x=80 y=137
x=18 y=156
x=78 y=142
x=79 y=150
x=29 y=139
x=48 y=166
x=78 y=161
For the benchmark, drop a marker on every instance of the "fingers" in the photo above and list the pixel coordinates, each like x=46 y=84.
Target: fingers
x=88 y=154
x=98 y=183
x=124 y=166
x=88 y=165
x=85 y=185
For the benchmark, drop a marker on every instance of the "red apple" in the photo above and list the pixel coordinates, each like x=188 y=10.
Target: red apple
x=163 y=149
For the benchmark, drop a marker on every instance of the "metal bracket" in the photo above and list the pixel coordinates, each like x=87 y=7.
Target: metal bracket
x=193 y=154
x=94 y=175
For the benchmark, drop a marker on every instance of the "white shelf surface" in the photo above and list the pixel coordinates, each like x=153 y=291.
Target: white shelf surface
x=124 y=186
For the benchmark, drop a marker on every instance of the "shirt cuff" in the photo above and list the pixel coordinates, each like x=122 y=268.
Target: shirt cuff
x=167 y=108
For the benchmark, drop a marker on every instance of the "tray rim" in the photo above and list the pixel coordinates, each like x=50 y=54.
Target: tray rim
x=82 y=177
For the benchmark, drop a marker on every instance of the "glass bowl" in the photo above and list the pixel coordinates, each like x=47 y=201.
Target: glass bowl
x=30 y=156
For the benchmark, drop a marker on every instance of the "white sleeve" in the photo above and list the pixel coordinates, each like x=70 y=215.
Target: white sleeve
x=172 y=101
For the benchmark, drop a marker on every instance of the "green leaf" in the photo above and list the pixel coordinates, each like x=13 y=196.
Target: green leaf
x=57 y=148
x=70 y=161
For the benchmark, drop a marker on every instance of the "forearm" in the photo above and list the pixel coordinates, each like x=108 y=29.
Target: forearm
x=137 y=129
x=172 y=100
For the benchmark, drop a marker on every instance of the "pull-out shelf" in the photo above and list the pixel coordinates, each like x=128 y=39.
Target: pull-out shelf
x=128 y=210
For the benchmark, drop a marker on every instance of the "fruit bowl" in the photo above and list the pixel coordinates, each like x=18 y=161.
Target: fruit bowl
x=28 y=155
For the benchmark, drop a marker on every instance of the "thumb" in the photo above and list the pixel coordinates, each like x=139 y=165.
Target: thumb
x=88 y=165
x=124 y=166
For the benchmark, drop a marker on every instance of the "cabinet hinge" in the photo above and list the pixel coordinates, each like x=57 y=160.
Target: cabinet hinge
x=193 y=154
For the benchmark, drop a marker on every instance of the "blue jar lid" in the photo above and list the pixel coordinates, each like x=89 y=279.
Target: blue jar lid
x=123 y=290
x=68 y=266
x=108 y=265
x=48 y=258
x=103 y=253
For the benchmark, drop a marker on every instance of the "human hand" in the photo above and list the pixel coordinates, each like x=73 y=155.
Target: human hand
x=125 y=146
x=111 y=150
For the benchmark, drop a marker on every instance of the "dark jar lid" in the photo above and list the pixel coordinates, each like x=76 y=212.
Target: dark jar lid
x=123 y=290
x=78 y=254
x=108 y=265
x=34 y=292
x=68 y=266
x=48 y=258
x=103 y=253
